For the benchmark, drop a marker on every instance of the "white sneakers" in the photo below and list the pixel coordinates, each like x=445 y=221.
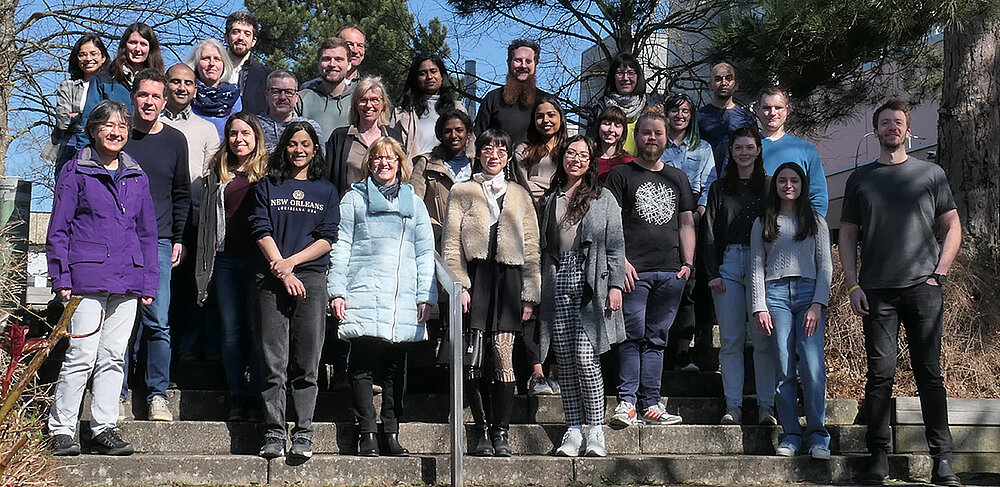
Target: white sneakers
x=158 y=410
x=624 y=415
x=572 y=443
x=595 y=443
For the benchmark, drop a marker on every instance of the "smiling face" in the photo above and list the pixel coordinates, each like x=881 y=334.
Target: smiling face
x=744 y=151
x=625 y=80
x=240 y=39
x=610 y=131
x=137 y=49
x=355 y=41
x=429 y=77
x=300 y=152
x=148 y=100
x=493 y=158
x=547 y=120
x=370 y=107
x=576 y=160
x=281 y=96
x=679 y=117
x=892 y=129
x=91 y=59
x=773 y=111
x=210 y=65
x=384 y=166
x=333 y=64
x=454 y=136
x=789 y=185
x=111 y=136
x=181 y=87
x=241 y=139
x=522 y=64
x=652 y=139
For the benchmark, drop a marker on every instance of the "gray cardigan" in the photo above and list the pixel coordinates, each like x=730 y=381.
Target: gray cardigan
x=602 y=242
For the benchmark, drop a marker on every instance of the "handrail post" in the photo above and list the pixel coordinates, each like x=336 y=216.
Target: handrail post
x=450 y=283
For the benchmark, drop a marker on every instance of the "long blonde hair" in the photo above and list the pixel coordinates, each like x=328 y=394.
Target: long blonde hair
x=225 y=161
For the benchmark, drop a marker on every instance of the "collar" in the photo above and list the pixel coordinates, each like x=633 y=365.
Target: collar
x=181 y=115
x=377 y=203
x=89 y=159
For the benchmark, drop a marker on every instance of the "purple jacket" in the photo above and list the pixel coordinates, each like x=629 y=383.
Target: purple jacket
x=102 y=234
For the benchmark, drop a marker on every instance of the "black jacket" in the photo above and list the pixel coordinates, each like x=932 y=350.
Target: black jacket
x=253 y=86
x=338 y=150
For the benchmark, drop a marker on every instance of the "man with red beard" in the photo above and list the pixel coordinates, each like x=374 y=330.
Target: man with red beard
x=508 y=107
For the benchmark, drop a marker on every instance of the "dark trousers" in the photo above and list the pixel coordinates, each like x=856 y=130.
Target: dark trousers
x=371 y=357
x=291 y=337
x=919 y=309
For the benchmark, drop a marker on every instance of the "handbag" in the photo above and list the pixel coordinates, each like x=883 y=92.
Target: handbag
x=472 y=355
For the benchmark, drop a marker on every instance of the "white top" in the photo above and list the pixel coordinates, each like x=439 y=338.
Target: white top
x=786 y=257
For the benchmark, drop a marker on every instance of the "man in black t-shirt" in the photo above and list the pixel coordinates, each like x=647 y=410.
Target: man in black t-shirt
x=656 y=203
x=896 y=202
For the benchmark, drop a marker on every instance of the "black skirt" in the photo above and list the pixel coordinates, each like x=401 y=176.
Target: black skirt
x=496 y=293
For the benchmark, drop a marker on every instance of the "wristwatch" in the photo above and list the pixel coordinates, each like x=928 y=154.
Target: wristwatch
x=940 y=278
x=689 y=266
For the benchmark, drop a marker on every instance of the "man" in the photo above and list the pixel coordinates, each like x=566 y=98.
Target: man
x=508 y=107
x=896 y=203
x=356 y=41
x=282 y=96
x=719 y=118
x=161 y=151
x=329 y=101
x=780 y=146
x=248 y=73
x=657 y=205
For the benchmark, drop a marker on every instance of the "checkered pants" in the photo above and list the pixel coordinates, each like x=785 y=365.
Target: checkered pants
x=579 y=369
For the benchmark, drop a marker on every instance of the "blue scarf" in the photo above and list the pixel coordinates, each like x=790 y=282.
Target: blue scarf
x=215 y=102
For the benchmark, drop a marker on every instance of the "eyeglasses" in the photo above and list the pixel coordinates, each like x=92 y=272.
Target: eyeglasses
x=87 y=55
x=370 y=101
x=278 y=92
x=355 y=45
x=492 y=149
x=111 y=126
x=385 y=160
x=572 y=154
x=622 y=73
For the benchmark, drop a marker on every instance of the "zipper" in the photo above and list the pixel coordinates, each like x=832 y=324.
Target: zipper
x=399 y=262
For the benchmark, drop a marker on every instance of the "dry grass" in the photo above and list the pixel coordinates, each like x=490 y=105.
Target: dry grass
x=970 y=341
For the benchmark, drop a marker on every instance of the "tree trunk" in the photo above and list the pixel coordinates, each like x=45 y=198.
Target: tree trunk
x=969 y=128
x=8 y=56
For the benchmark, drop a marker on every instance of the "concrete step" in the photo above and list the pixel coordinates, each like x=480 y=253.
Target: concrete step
x=142 y=469
x=432 y=408
x=218 y=438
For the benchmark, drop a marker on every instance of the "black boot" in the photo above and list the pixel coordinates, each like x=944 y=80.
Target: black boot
x=942 y=473
x=877 y=468
x=503 y=401
x=479 y=441
x=392 y=446
x=368 y=445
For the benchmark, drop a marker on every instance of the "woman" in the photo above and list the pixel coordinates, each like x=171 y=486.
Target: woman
x=224 y=249
x=500 y=277
x=216 y=99
x=102 y=230
x=385 y=237
x=583 y=272
x=610 y=132
x=535 y=164
x=625 y=88
x=86 y=59
x=734 y=202
x=295 y=224
x=435 y=172
x=369 y=117
x=791 y=272
x=427 y=93
x=138 y=49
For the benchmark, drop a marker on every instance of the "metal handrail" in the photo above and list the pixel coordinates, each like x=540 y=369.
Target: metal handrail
x=451 y=285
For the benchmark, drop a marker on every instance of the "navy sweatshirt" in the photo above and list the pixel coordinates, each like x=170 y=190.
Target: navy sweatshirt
x=296 y=213
x=163 y=156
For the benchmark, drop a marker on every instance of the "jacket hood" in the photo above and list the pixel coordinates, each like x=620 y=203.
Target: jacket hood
x=377 y=203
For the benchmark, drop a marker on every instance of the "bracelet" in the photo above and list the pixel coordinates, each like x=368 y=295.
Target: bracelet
x=853 y=288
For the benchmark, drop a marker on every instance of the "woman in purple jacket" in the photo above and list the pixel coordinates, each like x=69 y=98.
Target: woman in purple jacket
x=101 y=246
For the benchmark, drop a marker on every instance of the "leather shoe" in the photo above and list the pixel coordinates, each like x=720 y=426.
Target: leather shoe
x=876 y=470
x=392 y=446
x=368 y=445
x=942 y=474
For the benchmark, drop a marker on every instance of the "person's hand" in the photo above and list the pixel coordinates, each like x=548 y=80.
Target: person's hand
x=859 y=302
x=812 y=318
x=64 y=294
x=932 y=282
x=631 y=276
x=177 y=254
x=526 y=310
x=146 y=300
x=281 y=268
x=423 y=312
x=764 y=324
x=717 y=285
x=338 y=306
x=684 y=273
x=466 y=299
x=614 y=299
x=294 y=286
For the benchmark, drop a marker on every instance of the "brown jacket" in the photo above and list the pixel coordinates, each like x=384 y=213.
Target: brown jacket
x=432 y=181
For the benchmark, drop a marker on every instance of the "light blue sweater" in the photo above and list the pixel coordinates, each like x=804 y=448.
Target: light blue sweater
x=790 y=148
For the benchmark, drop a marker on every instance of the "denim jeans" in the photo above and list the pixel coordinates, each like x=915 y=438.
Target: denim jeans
x=153 y=335
x=649 y=311
x=732 y=308
x=788 y=300
x=919 y=309
x=234 y=295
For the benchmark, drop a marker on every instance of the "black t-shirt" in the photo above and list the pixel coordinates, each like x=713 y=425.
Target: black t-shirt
x=513 y=119
x=896 y=206
x=651 y=202
x=296 y=213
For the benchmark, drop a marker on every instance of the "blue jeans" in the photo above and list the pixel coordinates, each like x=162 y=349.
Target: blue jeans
x=788 y=300
x=154 y=333
x=732 y=308
x=234 y=295
x=649 y=311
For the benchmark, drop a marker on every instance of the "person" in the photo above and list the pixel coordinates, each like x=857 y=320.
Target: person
x=223 y=251
x=781 y=146
x=722 y=115
x=535 y=165
x=687 y=152
x=327 y=100
x=294 y=222
x=385 y=237
x=161 y=152
x=138 y=49
x=93 y=256
x=500 y=278
x=199 y=133
x=583 y=273
x=610 y=130
x=509 y=107
x=625 y=88
x=427 y=92
x=900 y=282
x=242 y=29
x=282 y=96
x=791 y=268
x=87 y=58
x=657 y=203
x=734 y=202
x=216 y=98
x=437 y=171
x=356 y=41
x=369 y=117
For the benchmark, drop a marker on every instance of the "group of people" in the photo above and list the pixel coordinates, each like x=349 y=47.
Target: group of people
x=300 y=206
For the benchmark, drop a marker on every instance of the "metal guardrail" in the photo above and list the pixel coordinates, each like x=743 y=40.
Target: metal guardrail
x=451 y=285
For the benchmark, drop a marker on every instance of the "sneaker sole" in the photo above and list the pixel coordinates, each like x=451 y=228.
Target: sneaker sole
x=161 y=418
x=115 y=452
x=595 y=453
x=292 y=454
x=621 y=423
x=663 y=423
x=784 y=453
x=67 y=452
x=564 y=453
